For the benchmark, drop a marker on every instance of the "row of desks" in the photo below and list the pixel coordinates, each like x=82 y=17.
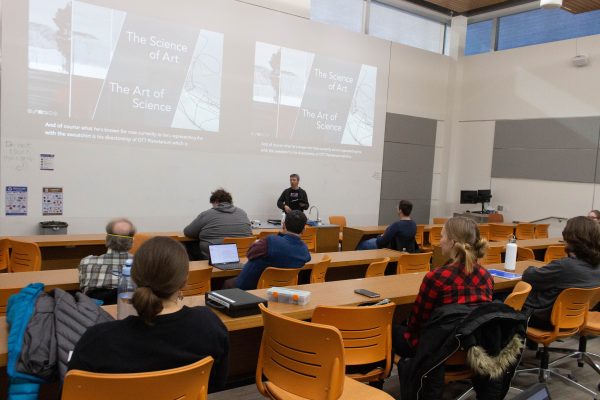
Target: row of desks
x=401 y=289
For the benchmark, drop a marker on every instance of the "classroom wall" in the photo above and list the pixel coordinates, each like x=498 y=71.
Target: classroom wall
x=533 y=82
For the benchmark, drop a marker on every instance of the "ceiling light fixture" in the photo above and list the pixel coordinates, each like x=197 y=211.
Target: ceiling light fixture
x=551 y=3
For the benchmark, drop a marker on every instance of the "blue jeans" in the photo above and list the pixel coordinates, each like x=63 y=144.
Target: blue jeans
x=369 y=244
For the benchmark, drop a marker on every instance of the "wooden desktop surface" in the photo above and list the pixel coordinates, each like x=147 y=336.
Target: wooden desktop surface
x=401 y=289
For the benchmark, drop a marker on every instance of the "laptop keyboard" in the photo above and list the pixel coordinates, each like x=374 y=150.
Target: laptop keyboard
x=229 y=266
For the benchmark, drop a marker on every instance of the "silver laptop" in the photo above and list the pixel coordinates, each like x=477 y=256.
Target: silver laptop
x=224 y=256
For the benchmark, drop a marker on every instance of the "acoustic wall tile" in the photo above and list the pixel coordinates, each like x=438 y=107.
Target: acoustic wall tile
x=409 y=129
x=407 y=157
x=412 y=184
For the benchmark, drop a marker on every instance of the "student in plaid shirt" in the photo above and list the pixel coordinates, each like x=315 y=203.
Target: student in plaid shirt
x=461 y=281
x=99 y=275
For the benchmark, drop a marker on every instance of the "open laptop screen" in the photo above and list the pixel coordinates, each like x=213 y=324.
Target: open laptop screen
x=223 y=253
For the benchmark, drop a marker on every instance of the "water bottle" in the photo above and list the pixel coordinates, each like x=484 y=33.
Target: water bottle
x=282 y=218
x=510 y=259
x=125 y=292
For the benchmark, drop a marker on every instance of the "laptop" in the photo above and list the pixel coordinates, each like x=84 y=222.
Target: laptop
x=538 y=391
x=224 y=256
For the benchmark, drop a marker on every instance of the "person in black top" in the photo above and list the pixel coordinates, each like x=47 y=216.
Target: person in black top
x=398 y=236
x=166 y=334
x=294 y=197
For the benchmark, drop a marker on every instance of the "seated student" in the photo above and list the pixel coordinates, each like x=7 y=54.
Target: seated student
x=284 y=250
x=594 y=215
x=579 y=270
x=166 y=334
x=221 y=221
x=461 y=281
x=99 y=275
x=398 y=236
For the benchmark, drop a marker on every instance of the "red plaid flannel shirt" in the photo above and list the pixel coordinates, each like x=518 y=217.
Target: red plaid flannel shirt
x=447 y=285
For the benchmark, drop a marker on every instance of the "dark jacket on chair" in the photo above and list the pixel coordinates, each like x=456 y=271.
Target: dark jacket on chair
x=493 y=334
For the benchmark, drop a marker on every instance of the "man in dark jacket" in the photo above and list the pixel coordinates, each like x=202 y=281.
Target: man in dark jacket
x=221 y=221
x=294 y=197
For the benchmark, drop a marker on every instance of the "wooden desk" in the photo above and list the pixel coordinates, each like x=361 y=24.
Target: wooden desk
x=68 y=279
x=353 y=235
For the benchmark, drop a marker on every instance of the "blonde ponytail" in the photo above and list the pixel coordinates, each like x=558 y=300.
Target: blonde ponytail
x=468 y=244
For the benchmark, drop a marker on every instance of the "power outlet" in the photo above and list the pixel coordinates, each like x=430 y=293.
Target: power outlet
x=500 y=208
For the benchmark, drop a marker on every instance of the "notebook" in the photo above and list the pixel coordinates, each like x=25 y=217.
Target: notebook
x=503 y=274
x=224 y=256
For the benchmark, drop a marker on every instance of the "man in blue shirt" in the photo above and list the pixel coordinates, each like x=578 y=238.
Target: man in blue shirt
x=398 y=236
x=284 y=250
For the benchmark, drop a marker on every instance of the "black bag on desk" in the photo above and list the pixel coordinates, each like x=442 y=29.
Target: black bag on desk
x=234 y=302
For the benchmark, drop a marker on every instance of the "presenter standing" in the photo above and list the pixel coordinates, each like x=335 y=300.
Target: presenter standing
x=294 y=197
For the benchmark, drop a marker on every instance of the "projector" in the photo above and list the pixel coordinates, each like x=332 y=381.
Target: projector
x=581 y=60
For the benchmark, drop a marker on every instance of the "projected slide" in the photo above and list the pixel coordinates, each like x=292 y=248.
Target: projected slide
x=92 y=63
x=307 y=97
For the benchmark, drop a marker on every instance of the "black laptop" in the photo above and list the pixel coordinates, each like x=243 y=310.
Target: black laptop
x=538 y=391
x=224 y=256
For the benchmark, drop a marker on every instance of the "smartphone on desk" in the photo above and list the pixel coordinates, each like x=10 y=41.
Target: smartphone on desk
x=367 y=293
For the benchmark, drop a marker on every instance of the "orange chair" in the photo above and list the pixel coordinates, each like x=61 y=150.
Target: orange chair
x=517 y=298
x=500 y=233
x=278 y=277
x=493 y=255
x=309 y=236
x=377 y=268
x=198 y=282
x=338 y=220
x=554 y=253
x=24 y=256
x=495 y=218
x=4 y=256
x=419 y=234
x=188 y=382
x=418 y=262
x=4 y=295
x=524 y=254
x=525 y=231
x=367 y=336
x=568 y=318
x=138 y=241
x=541 y=231
x=242 y=243
x=303 y=360
x=435 y=235
x=440 y=220
x=319 y=270
x=484 y=231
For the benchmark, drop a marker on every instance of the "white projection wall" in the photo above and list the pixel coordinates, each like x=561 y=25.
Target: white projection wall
x=142 y=108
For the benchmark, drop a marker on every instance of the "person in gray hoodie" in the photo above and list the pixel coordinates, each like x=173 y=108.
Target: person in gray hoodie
x=221 y=221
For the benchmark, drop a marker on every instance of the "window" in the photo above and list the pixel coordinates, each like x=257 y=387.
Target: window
x=398 y=26
x=479 y=37
x=347 y=14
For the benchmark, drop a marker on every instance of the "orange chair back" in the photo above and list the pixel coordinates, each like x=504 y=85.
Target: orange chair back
x=440 y=220
x=4 y=259
x=319 y=270
x=418 y=262
x=541 y=231
x=338 y=220
x=435 y=235
x=525 y=231
x=309 y=236
x=278 y=277
x=500 y=233
x=517 y=298
x=242 y=244
x=523 y=254
x=301 y=358
x=377 y=268
x=419 y=235
x=493 y=255
x=495 y=218
x=138 y=241
x=571 y=307
x=264 y=234
x=4 y=295
x=24 y=256
x=484 y=231
x=366 y=332
x=198 y=282
x=189 y=382
x=554 y=253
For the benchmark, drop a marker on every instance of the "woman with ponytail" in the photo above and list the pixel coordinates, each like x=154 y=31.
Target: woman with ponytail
x=580 y=269
x=462 y=280
x=165 y=334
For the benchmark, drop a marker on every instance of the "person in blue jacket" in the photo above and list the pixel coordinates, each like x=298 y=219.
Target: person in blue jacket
x=398 y=236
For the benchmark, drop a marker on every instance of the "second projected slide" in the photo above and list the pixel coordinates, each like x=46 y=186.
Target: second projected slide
x=92 y=63
x=305 y=97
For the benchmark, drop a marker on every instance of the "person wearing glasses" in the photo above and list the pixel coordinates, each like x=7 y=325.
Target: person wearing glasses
x=99 y=275
x=594 y=215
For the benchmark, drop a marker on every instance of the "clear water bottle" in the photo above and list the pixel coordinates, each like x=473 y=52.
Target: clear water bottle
x=125 y=292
